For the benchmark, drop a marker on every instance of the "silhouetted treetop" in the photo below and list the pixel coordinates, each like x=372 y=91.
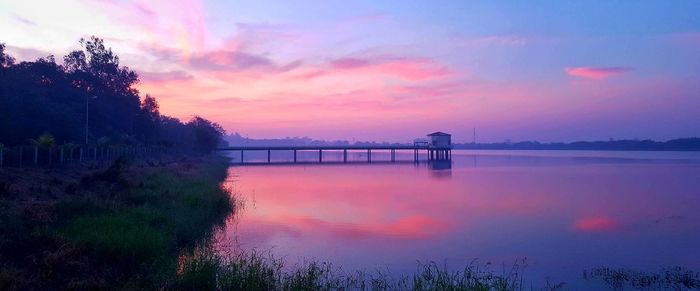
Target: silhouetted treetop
x=98 y=62
x=5 y=60
x=41 y=96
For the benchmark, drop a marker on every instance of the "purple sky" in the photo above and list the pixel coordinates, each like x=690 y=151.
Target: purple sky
x=395 y=70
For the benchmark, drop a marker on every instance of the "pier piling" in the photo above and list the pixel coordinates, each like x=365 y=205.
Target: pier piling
x=432 y=153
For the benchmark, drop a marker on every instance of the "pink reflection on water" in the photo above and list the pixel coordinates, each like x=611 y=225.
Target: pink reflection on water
x=496 y=208
x=410 y=227
x=593 y=224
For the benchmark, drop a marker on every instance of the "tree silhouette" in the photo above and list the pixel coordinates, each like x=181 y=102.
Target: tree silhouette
x=42 y=96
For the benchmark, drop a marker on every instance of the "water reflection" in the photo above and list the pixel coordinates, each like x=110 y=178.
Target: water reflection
x=565 y=213
x=441 y=169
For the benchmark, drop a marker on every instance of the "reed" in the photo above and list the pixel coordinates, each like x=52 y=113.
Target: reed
x=206 y=269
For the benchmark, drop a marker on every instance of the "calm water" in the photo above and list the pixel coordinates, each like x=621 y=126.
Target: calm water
x=565 y=211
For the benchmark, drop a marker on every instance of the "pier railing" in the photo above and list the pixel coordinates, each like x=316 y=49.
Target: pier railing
x=433 y=153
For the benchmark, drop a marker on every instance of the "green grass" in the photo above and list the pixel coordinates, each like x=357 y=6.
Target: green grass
x=136 y=234
x=131 y=236
x=205 y=269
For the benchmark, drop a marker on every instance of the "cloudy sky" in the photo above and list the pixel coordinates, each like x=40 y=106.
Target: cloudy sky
x=394 y=70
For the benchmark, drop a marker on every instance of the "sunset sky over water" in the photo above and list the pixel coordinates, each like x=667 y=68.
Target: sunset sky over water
x=395 y=70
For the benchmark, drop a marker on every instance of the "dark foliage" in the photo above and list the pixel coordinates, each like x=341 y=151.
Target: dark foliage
x=680 y=144
x=675 y=278
x=96 y=236
x=114 y=175
x=46 y=97
x=4 y=189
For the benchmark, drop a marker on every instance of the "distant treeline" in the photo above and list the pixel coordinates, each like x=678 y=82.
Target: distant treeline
x=48 y=99
x=236 y=139
x=681 y=144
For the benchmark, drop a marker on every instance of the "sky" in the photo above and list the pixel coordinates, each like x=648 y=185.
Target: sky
x=395 y=70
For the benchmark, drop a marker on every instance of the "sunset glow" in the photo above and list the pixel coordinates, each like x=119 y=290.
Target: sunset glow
x=394 y=71
x=595 y=224
x=349 y=145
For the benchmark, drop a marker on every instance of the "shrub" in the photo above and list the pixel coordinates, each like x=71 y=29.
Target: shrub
x=131 y=237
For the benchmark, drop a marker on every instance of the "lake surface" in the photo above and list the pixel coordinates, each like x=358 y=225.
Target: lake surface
x=564 y=211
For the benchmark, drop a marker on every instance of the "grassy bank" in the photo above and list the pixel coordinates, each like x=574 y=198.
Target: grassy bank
x=203 y=269
x=116 y=228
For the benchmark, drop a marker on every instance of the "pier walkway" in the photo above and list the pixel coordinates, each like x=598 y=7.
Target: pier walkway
x=433 y=153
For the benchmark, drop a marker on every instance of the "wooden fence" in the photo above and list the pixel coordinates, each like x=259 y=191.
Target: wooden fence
x=38 y=156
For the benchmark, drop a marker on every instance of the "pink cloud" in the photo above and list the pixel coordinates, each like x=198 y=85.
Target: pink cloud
x=594 y=224
x=255 y=36
x=273 y=103
x=349 y=63
x=513 y=40
x=413 y=69
x=230 y=60
x=158 y=77
x=178 y=23
x=507 y=40
x=596 y=73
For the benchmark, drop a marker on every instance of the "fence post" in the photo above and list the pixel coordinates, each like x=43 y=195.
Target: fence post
x=81 y=154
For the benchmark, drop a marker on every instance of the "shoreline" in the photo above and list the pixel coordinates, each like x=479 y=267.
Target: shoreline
x=117 y=227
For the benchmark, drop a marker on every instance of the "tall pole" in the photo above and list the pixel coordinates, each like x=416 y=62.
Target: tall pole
x=87 y=118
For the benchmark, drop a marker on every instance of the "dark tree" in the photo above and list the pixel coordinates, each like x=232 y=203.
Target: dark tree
x=207 y=135
x=95 y=71
x=45 y=97
x=5 y=60
x=149 y=120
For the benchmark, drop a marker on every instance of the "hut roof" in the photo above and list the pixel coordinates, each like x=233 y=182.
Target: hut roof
x=439 y=133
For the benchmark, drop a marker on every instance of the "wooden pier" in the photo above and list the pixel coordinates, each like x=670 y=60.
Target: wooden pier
x=433 y=153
